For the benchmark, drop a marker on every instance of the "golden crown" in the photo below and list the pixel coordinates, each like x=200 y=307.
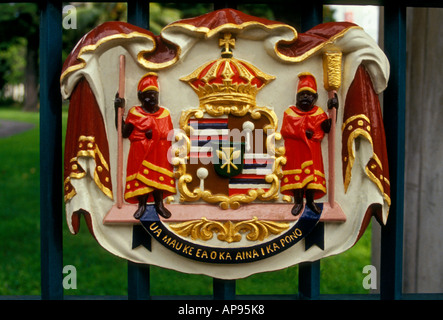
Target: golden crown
x=227 y=82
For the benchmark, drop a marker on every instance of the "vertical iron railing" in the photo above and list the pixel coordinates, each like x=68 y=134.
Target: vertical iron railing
x=138 y=275
x=394 y=119
x=309 y=272
x=50 y=150
x=139 y=287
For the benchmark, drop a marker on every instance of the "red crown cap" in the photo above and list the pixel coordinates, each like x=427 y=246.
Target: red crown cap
x=148 y=82
x=306 y=82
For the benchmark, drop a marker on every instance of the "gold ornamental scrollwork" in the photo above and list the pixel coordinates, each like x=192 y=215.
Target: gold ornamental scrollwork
x=229 y=231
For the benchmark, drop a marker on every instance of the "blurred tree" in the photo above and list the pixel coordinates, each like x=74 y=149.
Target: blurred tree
x=19 y=23
x=328 y=14
x=162 y=15
x=12 y=61
x=258 y=10
x=189 y=9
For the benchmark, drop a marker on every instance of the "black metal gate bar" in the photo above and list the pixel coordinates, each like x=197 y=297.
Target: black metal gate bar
x=138 y=13
x=139 y=281
x=51 y=151
x=309 y=280
x=223 y=289
x=394 y=119
x=139 y=286
x=309 y=272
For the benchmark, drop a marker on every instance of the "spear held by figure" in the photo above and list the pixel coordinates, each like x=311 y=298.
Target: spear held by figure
x=332 y=66
x=121 y=110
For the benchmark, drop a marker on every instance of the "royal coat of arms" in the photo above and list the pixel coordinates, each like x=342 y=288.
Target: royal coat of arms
x=227 y=145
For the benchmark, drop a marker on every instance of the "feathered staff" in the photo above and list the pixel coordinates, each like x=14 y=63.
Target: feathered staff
x=332 y=67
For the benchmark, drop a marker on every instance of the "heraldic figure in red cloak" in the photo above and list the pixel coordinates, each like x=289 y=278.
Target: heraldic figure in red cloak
x=149 y=175
x=303 y=128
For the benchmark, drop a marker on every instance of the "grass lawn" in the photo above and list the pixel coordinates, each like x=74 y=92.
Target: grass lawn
x=101 y=273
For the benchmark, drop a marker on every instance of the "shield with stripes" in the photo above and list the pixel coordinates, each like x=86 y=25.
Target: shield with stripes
x=230 y=160
x=253 y=176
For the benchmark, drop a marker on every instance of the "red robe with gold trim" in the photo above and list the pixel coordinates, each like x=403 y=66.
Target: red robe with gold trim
x=304 y=165
x=148 y=166
x=86 y=139
x=362 y=118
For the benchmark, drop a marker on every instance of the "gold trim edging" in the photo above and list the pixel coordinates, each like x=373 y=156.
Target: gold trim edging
x=92 y=152
x=93 y=47
x=357 y=132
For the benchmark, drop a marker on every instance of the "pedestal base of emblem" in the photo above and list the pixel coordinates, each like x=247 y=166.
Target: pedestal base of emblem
x=186 y=212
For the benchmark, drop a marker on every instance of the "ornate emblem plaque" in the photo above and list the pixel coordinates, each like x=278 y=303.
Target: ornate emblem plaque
x=228 y=145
